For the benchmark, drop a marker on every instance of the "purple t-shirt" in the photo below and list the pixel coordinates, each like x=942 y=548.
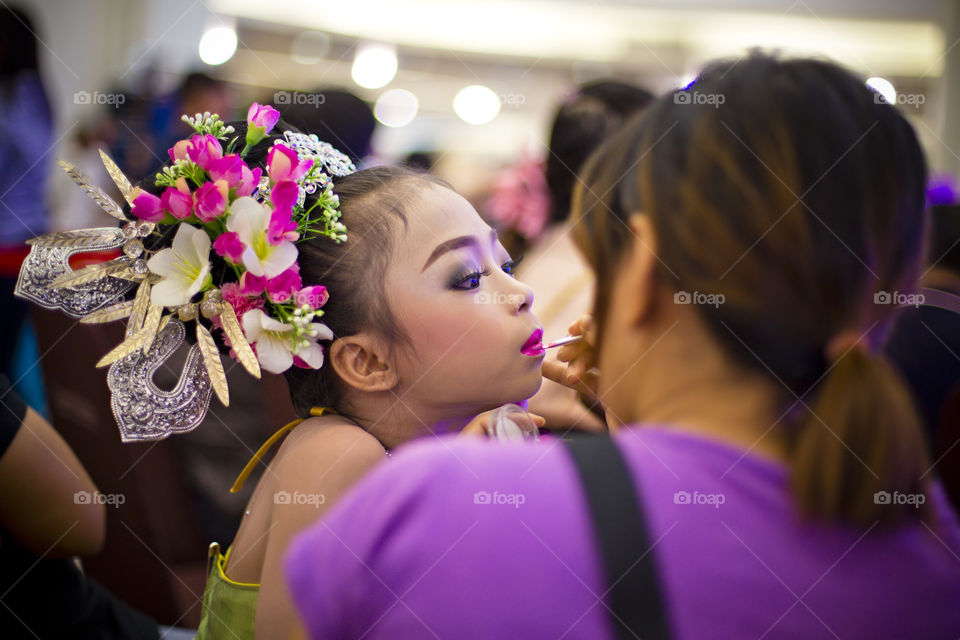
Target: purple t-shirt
x=465 y=538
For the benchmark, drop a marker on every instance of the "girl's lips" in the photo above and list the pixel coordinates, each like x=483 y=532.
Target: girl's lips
x=533 y=346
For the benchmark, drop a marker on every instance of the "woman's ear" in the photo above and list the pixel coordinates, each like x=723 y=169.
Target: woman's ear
x=640 y=269
x=361 y=361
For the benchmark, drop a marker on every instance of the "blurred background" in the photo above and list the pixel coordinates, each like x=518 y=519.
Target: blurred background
x=417 y=62
x=472 y=90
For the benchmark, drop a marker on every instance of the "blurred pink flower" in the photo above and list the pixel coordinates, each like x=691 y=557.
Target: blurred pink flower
x=211 y=200
x=284 y=164
x=261 y=119
x=178 y=200
x=147 y=206
x=282 y=287
x=228 y=245
x=520 y=198
x=203 y=150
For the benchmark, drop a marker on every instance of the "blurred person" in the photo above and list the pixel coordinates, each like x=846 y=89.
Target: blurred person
x=336 y=115
x=72 y=208
x=925 y=345
x=45 y=593
x=771 y=479
x=26 y=137
x=533 y=200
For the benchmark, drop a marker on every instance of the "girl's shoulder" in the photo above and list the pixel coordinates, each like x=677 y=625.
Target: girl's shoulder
x=327 y=445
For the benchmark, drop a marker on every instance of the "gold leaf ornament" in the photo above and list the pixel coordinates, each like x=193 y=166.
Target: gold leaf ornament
x=96 y=194
x=238 y=341
x=90 y=273
x=125 y=348
x=109 y=314
x=211 y=360
x=122 y=182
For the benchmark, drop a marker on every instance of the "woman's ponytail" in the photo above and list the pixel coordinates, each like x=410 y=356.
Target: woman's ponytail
x=858 y=454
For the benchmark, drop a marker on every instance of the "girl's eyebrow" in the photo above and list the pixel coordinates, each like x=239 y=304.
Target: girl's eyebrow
x=454 y=244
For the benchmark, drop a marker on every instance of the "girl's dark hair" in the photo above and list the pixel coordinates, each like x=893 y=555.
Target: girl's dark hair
x=581 y=123
x=373 y=202
x=790 y=189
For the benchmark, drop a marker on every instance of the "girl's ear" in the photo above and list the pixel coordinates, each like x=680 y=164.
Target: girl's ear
x=641 y=265
x=361 y=361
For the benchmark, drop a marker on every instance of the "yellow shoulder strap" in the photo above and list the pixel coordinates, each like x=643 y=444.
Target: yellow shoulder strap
x=247 y=470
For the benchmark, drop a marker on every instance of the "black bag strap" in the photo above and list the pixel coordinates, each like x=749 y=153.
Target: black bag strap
x=633 y=594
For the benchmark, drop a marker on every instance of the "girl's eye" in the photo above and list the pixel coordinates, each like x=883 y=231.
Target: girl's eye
x=510 y=265
x=469 y=281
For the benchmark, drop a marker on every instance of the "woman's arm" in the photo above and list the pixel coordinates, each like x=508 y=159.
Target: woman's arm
x=317 y=469
x=47 y=500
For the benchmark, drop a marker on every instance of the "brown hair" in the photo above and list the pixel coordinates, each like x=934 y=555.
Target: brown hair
x=792 y=190
x=372 y=203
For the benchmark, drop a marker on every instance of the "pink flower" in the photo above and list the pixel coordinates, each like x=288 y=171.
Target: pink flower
x=520 y=198
x=228 y=245
x=204 y=150
x=228 y=168
x=303 y=364
x=147 y=206
x=240 y=303
x=283 y=164
x=179 y=150
x=282 y=228
x=282 y=287
x=251 y=285
x=249 y=180
x=314 y=297
x=261 y=119
x=211 y=200
x=178 y=201
x=284 y=195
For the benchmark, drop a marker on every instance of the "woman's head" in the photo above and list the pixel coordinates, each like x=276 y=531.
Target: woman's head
x=786 y=202
x=581 y=123
x=421 y=305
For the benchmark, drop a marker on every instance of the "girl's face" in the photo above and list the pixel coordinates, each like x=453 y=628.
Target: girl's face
x=476 y=342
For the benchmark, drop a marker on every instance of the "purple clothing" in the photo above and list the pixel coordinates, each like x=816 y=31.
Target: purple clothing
x=466 y=538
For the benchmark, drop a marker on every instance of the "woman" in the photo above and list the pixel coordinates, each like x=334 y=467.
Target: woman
x=738 y=231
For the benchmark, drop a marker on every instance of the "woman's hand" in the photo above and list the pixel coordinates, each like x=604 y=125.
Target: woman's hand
x=481 y=426
x=579 y=357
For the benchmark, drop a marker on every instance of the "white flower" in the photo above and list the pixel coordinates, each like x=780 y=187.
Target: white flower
x=250 y=219
x=277 y=342
x=184 y=267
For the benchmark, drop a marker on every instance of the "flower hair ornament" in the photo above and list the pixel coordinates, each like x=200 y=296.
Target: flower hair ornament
x=217 y=248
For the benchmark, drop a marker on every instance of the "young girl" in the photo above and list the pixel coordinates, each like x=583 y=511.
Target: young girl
x=771 y=479
x=429 y=330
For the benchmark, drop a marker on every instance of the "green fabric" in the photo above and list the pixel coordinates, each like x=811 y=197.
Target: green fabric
x=228 y=607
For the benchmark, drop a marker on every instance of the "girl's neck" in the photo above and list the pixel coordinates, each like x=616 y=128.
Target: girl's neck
x=394 y=422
